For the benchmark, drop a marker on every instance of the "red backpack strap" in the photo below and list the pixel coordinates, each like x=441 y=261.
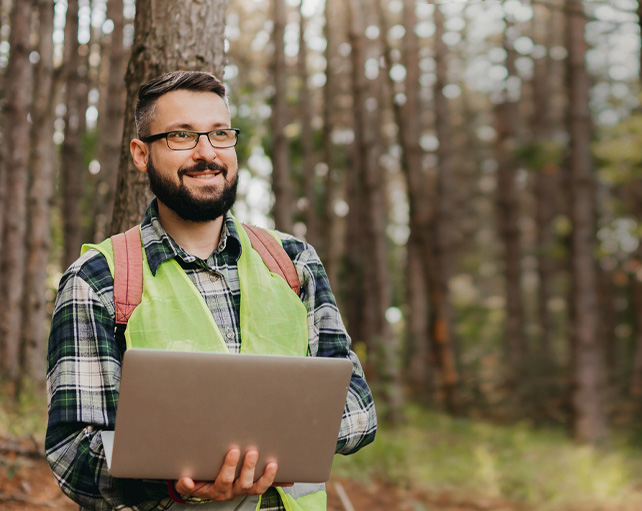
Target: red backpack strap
x=128 y=273
x=274 y=255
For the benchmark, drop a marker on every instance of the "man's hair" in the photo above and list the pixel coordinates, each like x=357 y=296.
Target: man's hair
x=149 y=92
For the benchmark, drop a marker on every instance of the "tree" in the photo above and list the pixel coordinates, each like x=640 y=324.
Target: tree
x=42 y=172
x=508 y=208
x=72 y=170
x=281 y=181
x=370 y=221
x=307 y=141
x=112 y=106
x=545 y=179
x=169 y=35
x=331 y=240
x=16 y=161
x=587 y=358
x=409 y=124
x=438 y=272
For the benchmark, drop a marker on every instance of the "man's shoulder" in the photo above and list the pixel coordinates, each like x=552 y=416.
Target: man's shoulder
x=92 y=268
x=297 y=249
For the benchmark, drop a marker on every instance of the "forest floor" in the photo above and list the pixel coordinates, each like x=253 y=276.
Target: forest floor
x=26 y=484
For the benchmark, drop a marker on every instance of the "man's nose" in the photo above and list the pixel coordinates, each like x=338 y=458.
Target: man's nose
x=204 y=149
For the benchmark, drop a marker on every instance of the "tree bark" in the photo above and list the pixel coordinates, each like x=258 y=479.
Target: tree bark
x=307 y=142
x=169 y=36
x=639 y=13
x=636 y=281
x=281 y=180
x=110 y=127
x=587 y=367
x=439 y=271
x=331 y=241
x=378 y=289
x=407 y=117
x=72 y=150
x=42 y=170
x=15 y=204
x=635 y=389
x=545 y=180
x=508 y=215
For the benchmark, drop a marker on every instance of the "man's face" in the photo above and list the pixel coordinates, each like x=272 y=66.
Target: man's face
x=197 y=184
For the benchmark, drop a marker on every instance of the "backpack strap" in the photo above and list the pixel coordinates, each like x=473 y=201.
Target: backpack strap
x=128 y=273
x=128 y=266
x=274 y=255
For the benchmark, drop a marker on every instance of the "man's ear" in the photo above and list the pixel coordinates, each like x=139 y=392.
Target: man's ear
x=140 y=154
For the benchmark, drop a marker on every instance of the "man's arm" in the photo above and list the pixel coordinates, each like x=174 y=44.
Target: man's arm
x=83 y=379
x=329 y=338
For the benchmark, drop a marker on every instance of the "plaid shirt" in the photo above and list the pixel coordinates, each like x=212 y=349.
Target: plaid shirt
x=84 y=361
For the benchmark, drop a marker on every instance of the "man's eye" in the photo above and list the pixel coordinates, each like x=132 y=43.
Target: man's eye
x=181 y=135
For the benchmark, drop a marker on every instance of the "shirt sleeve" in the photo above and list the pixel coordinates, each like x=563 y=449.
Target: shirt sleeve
x=83 y=379
x=328 y=338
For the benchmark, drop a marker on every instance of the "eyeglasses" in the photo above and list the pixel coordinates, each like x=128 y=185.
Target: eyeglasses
x=184 y=140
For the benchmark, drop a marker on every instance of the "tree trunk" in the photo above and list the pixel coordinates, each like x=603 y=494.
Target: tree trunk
x=636 y=303
x=587 y=366
x=3 y=151
x=110 y=128
x=508 y=214
x=72 y=149
x=307 y=142
x=42 y=170
x=636 y=282
x=545 y=182
x=168 y=36
x=639 y=13
x=281 y=180
x=15 y=204
x=419 y=347
x=378 y=289
x=331 y=244
x=439 y=272
x=407 y=116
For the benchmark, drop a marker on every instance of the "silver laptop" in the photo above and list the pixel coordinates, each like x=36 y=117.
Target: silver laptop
x=179 y=414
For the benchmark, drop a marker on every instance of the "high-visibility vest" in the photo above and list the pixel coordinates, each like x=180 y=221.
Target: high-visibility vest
x=172 y=315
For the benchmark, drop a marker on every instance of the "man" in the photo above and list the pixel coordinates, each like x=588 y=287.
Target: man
x=186 y=146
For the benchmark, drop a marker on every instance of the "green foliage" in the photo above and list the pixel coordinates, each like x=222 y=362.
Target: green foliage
x=538 y=467
x=620 y=152
x=26 y=417
x=538 y=156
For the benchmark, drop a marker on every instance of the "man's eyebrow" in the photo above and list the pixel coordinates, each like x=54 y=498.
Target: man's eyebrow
x=190 y=127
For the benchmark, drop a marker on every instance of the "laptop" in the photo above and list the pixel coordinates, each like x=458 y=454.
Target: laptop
x=179 y=413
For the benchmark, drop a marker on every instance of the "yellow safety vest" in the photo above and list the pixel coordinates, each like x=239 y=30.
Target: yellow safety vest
x=173 y=315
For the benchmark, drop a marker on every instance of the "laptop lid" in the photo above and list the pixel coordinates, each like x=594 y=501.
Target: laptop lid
x=179 y=413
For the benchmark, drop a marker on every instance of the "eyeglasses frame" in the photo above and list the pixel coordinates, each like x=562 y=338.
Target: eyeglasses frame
x=157 y=136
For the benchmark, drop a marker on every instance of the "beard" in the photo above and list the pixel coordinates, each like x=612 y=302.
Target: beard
x=182 y=201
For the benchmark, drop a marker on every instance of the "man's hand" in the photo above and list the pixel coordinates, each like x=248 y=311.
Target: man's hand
x=225 y=486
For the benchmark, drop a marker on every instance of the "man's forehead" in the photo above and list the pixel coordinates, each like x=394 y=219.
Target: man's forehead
x=191 y=106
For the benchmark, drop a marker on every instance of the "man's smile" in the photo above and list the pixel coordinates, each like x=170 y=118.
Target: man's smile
x=203 y=171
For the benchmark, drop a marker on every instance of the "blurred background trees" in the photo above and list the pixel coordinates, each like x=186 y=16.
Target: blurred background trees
x=470 y=173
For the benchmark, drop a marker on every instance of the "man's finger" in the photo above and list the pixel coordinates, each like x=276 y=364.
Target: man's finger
x=227 y=474
x=246 y=477
x=185 y=485
x=266 y=480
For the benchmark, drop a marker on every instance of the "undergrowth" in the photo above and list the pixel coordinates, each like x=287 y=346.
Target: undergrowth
x=541 y=468
x=24 y=417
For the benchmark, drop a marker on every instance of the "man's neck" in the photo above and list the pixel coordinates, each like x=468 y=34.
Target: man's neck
x=196 y=238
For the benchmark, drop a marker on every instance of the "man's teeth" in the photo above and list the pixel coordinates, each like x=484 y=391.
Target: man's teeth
x=203 y=176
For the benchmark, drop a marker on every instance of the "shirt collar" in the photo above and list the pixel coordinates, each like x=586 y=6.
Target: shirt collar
x=160 y=246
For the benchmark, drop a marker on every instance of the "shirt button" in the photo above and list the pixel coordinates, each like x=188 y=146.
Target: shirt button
x=229 y=332
x=213 y=277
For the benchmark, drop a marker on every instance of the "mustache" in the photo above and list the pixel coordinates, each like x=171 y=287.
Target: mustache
x=203 y=166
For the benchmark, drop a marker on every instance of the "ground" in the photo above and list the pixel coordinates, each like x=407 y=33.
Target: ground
x=26 y=484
